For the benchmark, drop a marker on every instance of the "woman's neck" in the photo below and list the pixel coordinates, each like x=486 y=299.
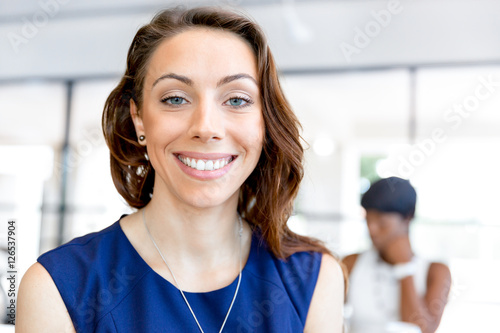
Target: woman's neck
x=194 y=235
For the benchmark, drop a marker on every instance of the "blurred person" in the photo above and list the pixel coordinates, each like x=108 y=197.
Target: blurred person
x=207 y=149
x=389 y=283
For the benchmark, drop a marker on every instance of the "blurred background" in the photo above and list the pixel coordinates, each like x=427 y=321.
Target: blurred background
x=382 y=88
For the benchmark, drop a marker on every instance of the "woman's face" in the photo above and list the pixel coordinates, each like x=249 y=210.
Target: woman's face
x=202 y=116
x=385 y=227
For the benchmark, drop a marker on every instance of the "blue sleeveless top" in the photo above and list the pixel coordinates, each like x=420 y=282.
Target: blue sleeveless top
x=107 y=287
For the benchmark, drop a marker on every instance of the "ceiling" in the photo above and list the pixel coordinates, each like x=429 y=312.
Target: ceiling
x=11 y=11
x=306 y=36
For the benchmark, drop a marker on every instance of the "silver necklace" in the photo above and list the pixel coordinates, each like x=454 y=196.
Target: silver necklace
x=177 y=284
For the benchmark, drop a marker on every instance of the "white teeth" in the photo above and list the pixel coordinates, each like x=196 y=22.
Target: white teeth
x=200 y=165
x=205 y=165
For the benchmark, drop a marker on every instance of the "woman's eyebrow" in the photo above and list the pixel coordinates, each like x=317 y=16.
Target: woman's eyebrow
x=189 y=82
x=181 y=78
x=234 y=77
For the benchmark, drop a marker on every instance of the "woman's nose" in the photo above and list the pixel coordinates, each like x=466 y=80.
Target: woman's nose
x=207 y=122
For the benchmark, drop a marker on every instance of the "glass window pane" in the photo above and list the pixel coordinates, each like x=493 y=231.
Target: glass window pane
x=32 y=113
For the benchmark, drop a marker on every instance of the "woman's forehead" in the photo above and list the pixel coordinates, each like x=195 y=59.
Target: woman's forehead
x=201 y=54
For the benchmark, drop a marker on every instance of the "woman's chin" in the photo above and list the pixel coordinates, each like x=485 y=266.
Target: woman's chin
x=201 y=200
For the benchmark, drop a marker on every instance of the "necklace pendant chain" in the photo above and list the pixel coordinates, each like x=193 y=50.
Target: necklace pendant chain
x=240 y=233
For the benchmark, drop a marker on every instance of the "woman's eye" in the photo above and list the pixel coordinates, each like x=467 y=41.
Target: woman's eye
x=174 y=100
x=238 y=102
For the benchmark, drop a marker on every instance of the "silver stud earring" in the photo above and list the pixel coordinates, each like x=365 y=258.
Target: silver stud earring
x=142 y=138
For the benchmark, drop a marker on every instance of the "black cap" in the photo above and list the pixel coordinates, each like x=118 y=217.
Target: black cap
x=391 y=195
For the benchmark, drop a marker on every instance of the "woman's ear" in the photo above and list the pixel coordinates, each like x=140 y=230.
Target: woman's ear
x=406 y=222
x=138 y=124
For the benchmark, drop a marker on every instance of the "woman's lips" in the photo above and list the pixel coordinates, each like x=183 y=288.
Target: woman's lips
x=205 y=166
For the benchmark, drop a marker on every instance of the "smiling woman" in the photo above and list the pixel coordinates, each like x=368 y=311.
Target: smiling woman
x=205 y=109
x=204 y=144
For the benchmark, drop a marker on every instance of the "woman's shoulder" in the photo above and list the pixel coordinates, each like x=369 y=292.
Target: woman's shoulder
x=80 y=260
x=40 y=306
x=325 y=312
x=298 y=269
x=94 y=258
x=439 y=273
x=301 y=268
x=93 y=273
x=332 y=274
x=50 y=286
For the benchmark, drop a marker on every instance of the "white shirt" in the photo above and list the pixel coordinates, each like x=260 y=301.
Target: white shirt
x=375 y=294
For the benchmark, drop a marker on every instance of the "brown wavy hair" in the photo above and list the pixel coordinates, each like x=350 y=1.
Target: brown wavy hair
x=266 y=197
